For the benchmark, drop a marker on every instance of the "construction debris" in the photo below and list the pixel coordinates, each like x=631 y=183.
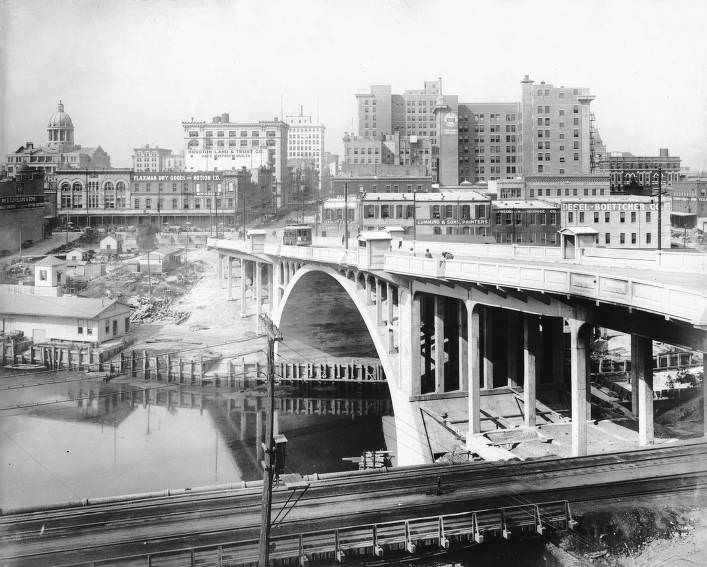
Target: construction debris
x=149 y=309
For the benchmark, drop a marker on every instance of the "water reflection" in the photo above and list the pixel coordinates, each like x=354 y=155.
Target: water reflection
x=118 y=438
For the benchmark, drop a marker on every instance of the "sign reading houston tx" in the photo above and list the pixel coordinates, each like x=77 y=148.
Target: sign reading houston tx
x=609 y=206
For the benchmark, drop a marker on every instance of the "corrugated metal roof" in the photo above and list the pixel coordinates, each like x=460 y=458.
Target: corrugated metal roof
x=70 y=307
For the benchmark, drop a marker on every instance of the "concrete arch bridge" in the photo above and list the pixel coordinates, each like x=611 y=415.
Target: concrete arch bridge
x=457 y=336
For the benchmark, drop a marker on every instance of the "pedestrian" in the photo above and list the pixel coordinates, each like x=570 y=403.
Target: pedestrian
x=412 y=251
x=428 y=254
x=400 y=244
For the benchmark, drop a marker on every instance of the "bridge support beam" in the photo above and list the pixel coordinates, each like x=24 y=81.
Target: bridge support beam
x=463 y=346
x=220 y=270
x=409 y=340
x=642 y=377
x=474 y=366
x=579 y=352
x=512 y=348
x=439 y=343
x=230 y=277
x=379 y=302
x=244 y=277
x=530 y=362
x=258 y=289
x=556 y=345
x=488 y=346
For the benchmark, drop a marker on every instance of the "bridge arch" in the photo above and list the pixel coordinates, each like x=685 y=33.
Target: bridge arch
x=409 y=431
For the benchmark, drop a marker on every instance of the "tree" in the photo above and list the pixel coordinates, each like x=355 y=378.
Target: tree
x=147 y=237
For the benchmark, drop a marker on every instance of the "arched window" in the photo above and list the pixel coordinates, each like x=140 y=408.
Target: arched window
x=466 y=212
x=77 y=186
x=66 y=186
x=108 y=186
x=448 y=211
x=120 y=187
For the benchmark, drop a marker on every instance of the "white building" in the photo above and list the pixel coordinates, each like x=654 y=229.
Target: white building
x=111 y=244
x=76 y=319
x=47 y=275
x=305 y=143
x=222 y=145
x=153 y=158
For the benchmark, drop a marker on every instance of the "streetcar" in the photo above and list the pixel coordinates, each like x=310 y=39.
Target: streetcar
x=297 y=235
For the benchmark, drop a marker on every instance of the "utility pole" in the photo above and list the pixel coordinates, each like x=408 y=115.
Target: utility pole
x=269 y=447
x=346 y=215
x=660 y=208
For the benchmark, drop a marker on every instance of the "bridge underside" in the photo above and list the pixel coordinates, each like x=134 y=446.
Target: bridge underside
x=459 y=353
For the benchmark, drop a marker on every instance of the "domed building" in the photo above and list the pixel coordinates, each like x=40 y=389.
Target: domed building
x=60 y=130
x=59 y=152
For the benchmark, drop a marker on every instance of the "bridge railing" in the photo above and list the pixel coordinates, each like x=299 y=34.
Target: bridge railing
x=675 y=301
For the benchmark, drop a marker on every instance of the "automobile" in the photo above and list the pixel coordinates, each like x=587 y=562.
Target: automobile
x=131 y=228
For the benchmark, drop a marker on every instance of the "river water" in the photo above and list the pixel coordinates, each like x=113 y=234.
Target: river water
x=80 y=438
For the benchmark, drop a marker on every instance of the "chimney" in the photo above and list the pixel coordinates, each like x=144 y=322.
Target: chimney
x=225 y=117
x=29 y=145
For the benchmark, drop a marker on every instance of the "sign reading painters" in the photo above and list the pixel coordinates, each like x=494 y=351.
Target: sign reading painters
x=452 y=221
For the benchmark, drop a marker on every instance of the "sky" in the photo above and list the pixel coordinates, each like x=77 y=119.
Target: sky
x=130 y=71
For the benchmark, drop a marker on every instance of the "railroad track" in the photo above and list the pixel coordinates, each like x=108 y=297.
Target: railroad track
x=156 y=525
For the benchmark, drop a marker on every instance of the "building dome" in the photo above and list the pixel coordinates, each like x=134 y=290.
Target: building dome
x=60 y=119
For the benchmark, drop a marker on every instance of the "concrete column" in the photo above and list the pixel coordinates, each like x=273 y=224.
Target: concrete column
x=474 y=366
x=463 y=348
x=409 y=341
x=258 y=288
x=275 y=287
x=635 y=369
x=243 y=286
x=579 y=352
x=379 y=302
x=244 y=421
x=642 y=373
x=220 y=270
x=530 y=360
x=556 y=345
x=367 y=287
x=389 y=303
x=270 y=282
x=439 y=344
x=512 y=350
x=230 y=278
x=488 y=348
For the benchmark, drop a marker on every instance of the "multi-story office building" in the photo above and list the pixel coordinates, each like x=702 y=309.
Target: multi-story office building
x=631 y=173
x=155 y=159
x=420 y=127
x=489 y=141
x=556 y=129
x=305 y=144
x=222 y=145
x=59 y=152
